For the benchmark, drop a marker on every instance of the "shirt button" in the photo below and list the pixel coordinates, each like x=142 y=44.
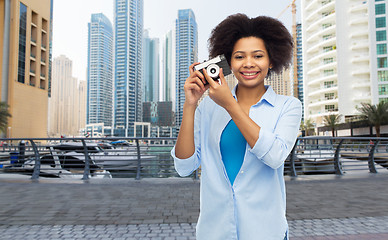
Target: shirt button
x=242 y=171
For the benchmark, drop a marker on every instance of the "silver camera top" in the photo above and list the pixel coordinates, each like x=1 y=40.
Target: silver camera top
x=213 y=66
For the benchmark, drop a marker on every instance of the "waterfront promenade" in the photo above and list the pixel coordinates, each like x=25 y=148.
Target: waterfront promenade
x=318 y=207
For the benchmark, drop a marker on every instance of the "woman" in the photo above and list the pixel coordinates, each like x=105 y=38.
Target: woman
x=240 y=138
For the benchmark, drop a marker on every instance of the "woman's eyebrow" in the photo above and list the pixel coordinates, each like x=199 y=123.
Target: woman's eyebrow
x=256 y=51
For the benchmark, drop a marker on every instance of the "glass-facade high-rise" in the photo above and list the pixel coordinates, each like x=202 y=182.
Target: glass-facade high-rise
x=151 y=69
x=167 y=66
x=99 y=73
x=378 y=21
x=299 y=62
x=186 y=54
x=128 y=35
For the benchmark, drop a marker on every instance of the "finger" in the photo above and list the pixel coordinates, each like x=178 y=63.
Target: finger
x=197 y=81
x=209 y=79
x=222 y=77
x=195 y=87
x=200 y=83
x=191 y=68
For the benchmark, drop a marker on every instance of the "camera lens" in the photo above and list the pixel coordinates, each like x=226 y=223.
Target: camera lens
x=213 y=70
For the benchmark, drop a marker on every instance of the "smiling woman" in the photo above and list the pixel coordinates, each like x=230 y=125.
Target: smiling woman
x=240 y=138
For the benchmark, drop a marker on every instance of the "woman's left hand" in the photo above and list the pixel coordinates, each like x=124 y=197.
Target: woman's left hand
x=220 y=93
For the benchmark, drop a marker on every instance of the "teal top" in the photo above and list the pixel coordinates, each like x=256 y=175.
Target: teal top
x=233 y=146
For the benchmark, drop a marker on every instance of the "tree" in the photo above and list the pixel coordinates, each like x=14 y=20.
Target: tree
x=307 y=127
x=376 y=114
x=332 y=121
x=4 y=115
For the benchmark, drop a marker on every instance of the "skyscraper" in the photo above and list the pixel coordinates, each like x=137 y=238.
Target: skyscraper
x=299 y=62
x=151 y=69
x=186 y=54
x=378 y=35
x=128 y=35
x=281 y=82
x=100 y=71
x=338 y=56
x=64 y=101
x=168 y=73
x=25 y=61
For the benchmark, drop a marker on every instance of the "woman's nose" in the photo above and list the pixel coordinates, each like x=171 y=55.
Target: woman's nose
x=248 y=62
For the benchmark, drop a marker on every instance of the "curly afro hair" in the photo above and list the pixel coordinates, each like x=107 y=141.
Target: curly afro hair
x=278 y=41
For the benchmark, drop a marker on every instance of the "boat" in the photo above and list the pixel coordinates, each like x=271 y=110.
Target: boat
x=103 y=155
x=316 y=155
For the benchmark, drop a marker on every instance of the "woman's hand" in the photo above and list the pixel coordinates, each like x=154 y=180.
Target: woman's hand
x=220 y=93
x=194 y=86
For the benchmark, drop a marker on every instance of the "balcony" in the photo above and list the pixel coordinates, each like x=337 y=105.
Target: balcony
x=360 y=59
x=318 y=102
x=320 y=67
x=320 y=44
x=330 y=7
x=322 y=79
x=321 y=56
x=359 y=7
x=321 y=90
x=316 y=25
x=361 y=71
x=361 y=84
x=360 y=45
x=360 y=21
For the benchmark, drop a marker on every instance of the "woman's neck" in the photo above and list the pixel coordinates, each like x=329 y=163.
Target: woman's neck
x=249 y=96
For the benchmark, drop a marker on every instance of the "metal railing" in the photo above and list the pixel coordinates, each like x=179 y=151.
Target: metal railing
x=337 y=155
x=85 y=158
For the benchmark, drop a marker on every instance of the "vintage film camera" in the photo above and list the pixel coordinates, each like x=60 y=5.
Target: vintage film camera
x=213 y=66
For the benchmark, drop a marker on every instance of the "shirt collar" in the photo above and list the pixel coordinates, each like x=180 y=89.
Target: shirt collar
x=269 y=95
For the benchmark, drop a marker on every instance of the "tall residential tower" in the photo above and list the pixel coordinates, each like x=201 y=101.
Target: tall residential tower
x=340 y=65
x=100 y=71
x=186 y=54
x=128 y=69
x=151 y=69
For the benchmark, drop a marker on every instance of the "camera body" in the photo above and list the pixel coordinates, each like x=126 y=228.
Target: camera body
x=213 y=66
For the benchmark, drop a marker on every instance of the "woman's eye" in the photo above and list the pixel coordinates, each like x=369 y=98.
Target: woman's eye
x=238 y=57
x=258 y=56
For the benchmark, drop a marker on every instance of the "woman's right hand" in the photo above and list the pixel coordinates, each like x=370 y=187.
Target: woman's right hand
x=194 y=86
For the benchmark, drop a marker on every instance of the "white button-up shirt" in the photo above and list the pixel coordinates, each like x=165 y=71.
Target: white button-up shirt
x=255 y=206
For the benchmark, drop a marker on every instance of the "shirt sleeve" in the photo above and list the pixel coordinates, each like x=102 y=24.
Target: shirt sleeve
x=185 y=167
x=273 y=147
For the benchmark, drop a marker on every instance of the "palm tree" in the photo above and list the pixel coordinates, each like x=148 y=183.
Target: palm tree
x=308 y=127
x=4 y=115
x=332 y=121
x=375 y=114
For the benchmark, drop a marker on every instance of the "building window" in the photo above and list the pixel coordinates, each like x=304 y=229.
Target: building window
x=382 y=48
x=328 y=48
x=380 y=22
x=329 y=96
x=326 y=25
x=383 y=88
x=380 y=9
x=382 y=75
x=22 y=42
x=382 y=62
x=328 y=72
x=381 y=35
x=328 y=60
x=330 y=108
x=329 y=84
x=383 y=100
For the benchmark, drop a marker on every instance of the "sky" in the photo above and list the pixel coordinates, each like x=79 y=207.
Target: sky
x=71 y=18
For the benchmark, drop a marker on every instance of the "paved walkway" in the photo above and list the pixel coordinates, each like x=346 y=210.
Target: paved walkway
x=318 y=207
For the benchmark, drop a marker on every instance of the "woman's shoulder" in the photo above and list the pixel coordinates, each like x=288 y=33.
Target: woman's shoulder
x=288 y=100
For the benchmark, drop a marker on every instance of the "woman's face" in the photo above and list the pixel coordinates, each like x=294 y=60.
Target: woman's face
x=250 y=62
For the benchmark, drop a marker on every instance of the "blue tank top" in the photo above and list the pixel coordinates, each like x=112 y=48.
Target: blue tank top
x=233 y=147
